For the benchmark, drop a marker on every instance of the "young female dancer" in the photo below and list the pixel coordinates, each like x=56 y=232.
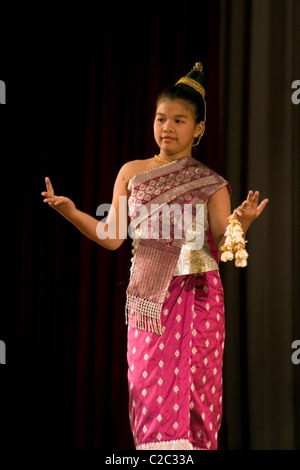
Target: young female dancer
x=175 y=304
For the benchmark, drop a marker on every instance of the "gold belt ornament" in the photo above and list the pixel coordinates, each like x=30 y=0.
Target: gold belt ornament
x=194 y=261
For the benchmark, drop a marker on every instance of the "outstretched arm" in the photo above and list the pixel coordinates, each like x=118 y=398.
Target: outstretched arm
x=88 y=225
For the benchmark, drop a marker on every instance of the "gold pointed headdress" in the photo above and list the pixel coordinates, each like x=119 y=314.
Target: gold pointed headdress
x=194 y=79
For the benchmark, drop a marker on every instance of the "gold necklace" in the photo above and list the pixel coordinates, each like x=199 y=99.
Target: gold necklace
x=166 y=161
x=162 y=159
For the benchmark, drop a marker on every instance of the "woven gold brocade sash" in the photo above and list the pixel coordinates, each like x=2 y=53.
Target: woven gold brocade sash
x=185 y=181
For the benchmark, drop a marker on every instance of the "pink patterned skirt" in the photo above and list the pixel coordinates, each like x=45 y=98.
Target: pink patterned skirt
x=175 y=380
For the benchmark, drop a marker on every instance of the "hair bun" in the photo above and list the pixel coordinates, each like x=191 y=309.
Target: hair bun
x=195 y=79
x=198 y=67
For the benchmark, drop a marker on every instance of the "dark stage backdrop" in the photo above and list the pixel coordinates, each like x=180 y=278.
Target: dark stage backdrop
x=84 y=81
x=260 y=148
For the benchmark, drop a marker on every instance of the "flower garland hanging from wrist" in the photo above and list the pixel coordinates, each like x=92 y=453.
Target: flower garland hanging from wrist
x=234 y=245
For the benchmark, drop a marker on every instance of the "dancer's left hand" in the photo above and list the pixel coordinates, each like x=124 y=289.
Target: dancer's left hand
x=249 y=210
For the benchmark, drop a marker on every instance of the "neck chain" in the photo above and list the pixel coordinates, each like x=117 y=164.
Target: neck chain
x=166 y=161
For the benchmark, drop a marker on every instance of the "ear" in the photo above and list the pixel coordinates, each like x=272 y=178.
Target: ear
x=199 y=129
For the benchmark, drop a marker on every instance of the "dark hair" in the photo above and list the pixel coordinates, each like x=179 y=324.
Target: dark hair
x=188 y=94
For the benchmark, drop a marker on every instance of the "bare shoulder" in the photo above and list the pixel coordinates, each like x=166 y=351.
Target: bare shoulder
x=133 y=167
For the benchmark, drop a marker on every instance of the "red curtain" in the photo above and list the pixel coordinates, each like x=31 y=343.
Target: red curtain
x=85 y=81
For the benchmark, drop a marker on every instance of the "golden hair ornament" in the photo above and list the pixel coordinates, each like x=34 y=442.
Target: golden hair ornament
x=193 y=79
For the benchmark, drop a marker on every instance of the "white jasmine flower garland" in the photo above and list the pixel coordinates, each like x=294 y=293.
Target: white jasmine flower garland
x=234 y=245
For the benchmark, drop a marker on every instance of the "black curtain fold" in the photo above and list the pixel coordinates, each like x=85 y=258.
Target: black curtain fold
x=260 y=50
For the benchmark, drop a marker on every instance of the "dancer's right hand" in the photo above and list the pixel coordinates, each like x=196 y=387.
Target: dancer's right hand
x=62 y=204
